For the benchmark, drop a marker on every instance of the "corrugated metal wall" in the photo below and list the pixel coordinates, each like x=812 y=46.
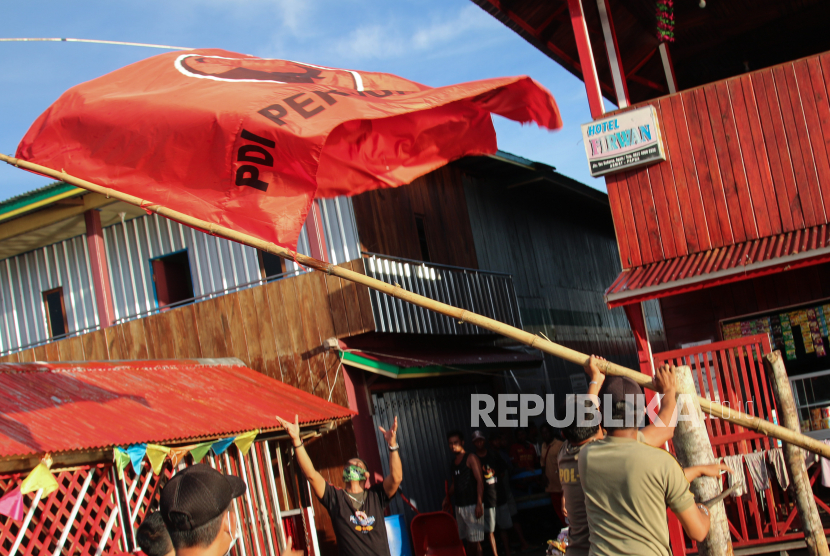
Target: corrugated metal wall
x=23 y=279
x=490 y=294
x=425 y=416
x=216 y=264
x=561 y=250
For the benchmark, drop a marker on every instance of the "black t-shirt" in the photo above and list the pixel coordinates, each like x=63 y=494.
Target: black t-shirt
x=361 y=532
x=492 y=468
x=465 y=493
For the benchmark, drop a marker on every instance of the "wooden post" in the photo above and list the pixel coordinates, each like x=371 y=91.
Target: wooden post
x=98 y=266
x=395 y=290
x=692 y=447
x=794 y=458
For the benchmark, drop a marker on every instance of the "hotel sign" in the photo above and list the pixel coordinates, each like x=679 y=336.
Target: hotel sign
x=624 y=141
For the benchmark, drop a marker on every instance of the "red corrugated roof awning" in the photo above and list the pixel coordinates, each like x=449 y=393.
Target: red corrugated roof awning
x=728 y=264
x=56 y=407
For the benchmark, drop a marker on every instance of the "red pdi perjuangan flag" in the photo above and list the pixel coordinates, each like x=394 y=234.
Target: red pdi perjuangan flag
x=248 y=143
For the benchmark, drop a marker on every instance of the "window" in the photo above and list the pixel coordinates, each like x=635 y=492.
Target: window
x=269 y=264
x=422 y=237
x=55 y=312
x=171 y=278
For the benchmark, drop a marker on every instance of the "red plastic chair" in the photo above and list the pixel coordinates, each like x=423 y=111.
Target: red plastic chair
x=437 y=531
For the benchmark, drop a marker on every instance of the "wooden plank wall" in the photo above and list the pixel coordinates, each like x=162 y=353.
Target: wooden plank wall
x=276 y=329
x=386 y=219
x=747 y=158
x=694 y=316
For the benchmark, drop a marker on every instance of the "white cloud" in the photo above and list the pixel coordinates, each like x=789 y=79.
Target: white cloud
x=394 y=38
x=442 y=31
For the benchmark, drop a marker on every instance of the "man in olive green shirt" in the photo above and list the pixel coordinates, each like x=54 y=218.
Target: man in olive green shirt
x=628 y=484
x=577 y=437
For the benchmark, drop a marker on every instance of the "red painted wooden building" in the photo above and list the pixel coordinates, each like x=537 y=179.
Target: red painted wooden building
x=730 y=231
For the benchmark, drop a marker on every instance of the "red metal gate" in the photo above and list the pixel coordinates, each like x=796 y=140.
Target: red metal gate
x=732 y=373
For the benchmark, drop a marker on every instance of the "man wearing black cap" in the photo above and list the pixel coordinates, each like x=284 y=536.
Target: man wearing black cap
x=356 y=513
x=196 y=508
x=628 y=484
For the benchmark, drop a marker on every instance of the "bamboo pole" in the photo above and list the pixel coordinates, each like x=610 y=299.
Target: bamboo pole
x=794 y=458
x=712 y=408
x=692 y=446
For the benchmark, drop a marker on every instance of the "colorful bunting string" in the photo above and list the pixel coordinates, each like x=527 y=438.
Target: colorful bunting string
x=177 y=454
x=245 y=440
x=221 y=445
x=136 y=452
x=40 y=477
x=122 y=460
x=200 y=451
x=11 y=505
x=156 y=455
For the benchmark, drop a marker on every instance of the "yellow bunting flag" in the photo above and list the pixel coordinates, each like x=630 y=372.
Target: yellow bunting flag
x=40 y=477
x=156 y=455
x=122 y=460
x=199 y=451
x=243 y=441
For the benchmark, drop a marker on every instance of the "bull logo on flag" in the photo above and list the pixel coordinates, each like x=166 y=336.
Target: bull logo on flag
x=247 y=70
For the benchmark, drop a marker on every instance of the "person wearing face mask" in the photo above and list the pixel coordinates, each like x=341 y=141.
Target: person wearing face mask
x=356 y=513
x=196 y=506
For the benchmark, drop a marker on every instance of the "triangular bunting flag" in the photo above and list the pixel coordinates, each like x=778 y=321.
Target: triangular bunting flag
x=136 y=452
x=122 y=460
x=221 y=445
x=199 y=451
x=244 y=440
x=40 y=477
x=177 y=454
x=11 y=505
x=156 y=455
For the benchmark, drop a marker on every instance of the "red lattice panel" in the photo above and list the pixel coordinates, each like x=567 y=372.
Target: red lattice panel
x=52 y=514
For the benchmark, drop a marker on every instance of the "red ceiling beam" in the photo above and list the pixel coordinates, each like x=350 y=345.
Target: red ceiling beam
x=586 y=59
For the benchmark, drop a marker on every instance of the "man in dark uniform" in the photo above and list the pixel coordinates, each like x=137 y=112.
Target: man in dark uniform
x=492 y=470
x=467 y=491
x=356 y=513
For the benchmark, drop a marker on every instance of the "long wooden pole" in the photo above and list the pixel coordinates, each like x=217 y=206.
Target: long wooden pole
x=692 y=446
x=712 y=408
x=794 y=458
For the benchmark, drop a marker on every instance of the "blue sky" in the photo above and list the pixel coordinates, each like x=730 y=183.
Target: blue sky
x=436 y=42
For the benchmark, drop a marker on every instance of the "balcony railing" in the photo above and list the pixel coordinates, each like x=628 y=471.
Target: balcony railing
x=490 y=294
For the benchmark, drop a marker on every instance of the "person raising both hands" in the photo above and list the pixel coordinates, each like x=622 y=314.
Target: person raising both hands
x=356 y=513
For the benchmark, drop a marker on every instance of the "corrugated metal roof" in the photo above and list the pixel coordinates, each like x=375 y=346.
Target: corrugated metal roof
x=732 y=263
x=37 y=198
x=415 y=363
x=55 y=407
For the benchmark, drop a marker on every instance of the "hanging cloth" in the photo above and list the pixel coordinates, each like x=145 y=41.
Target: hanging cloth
x=757 y=465
x=776 y=459
x=736 y=464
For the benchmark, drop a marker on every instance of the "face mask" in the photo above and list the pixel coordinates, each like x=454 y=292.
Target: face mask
x=233 y=538
x=353 y=473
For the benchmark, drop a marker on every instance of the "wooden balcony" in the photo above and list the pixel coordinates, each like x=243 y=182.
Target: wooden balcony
x=275 y=326
x=747 y=158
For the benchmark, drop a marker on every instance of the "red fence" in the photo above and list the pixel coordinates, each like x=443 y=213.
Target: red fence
x=732 y=373
x=94 y=513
